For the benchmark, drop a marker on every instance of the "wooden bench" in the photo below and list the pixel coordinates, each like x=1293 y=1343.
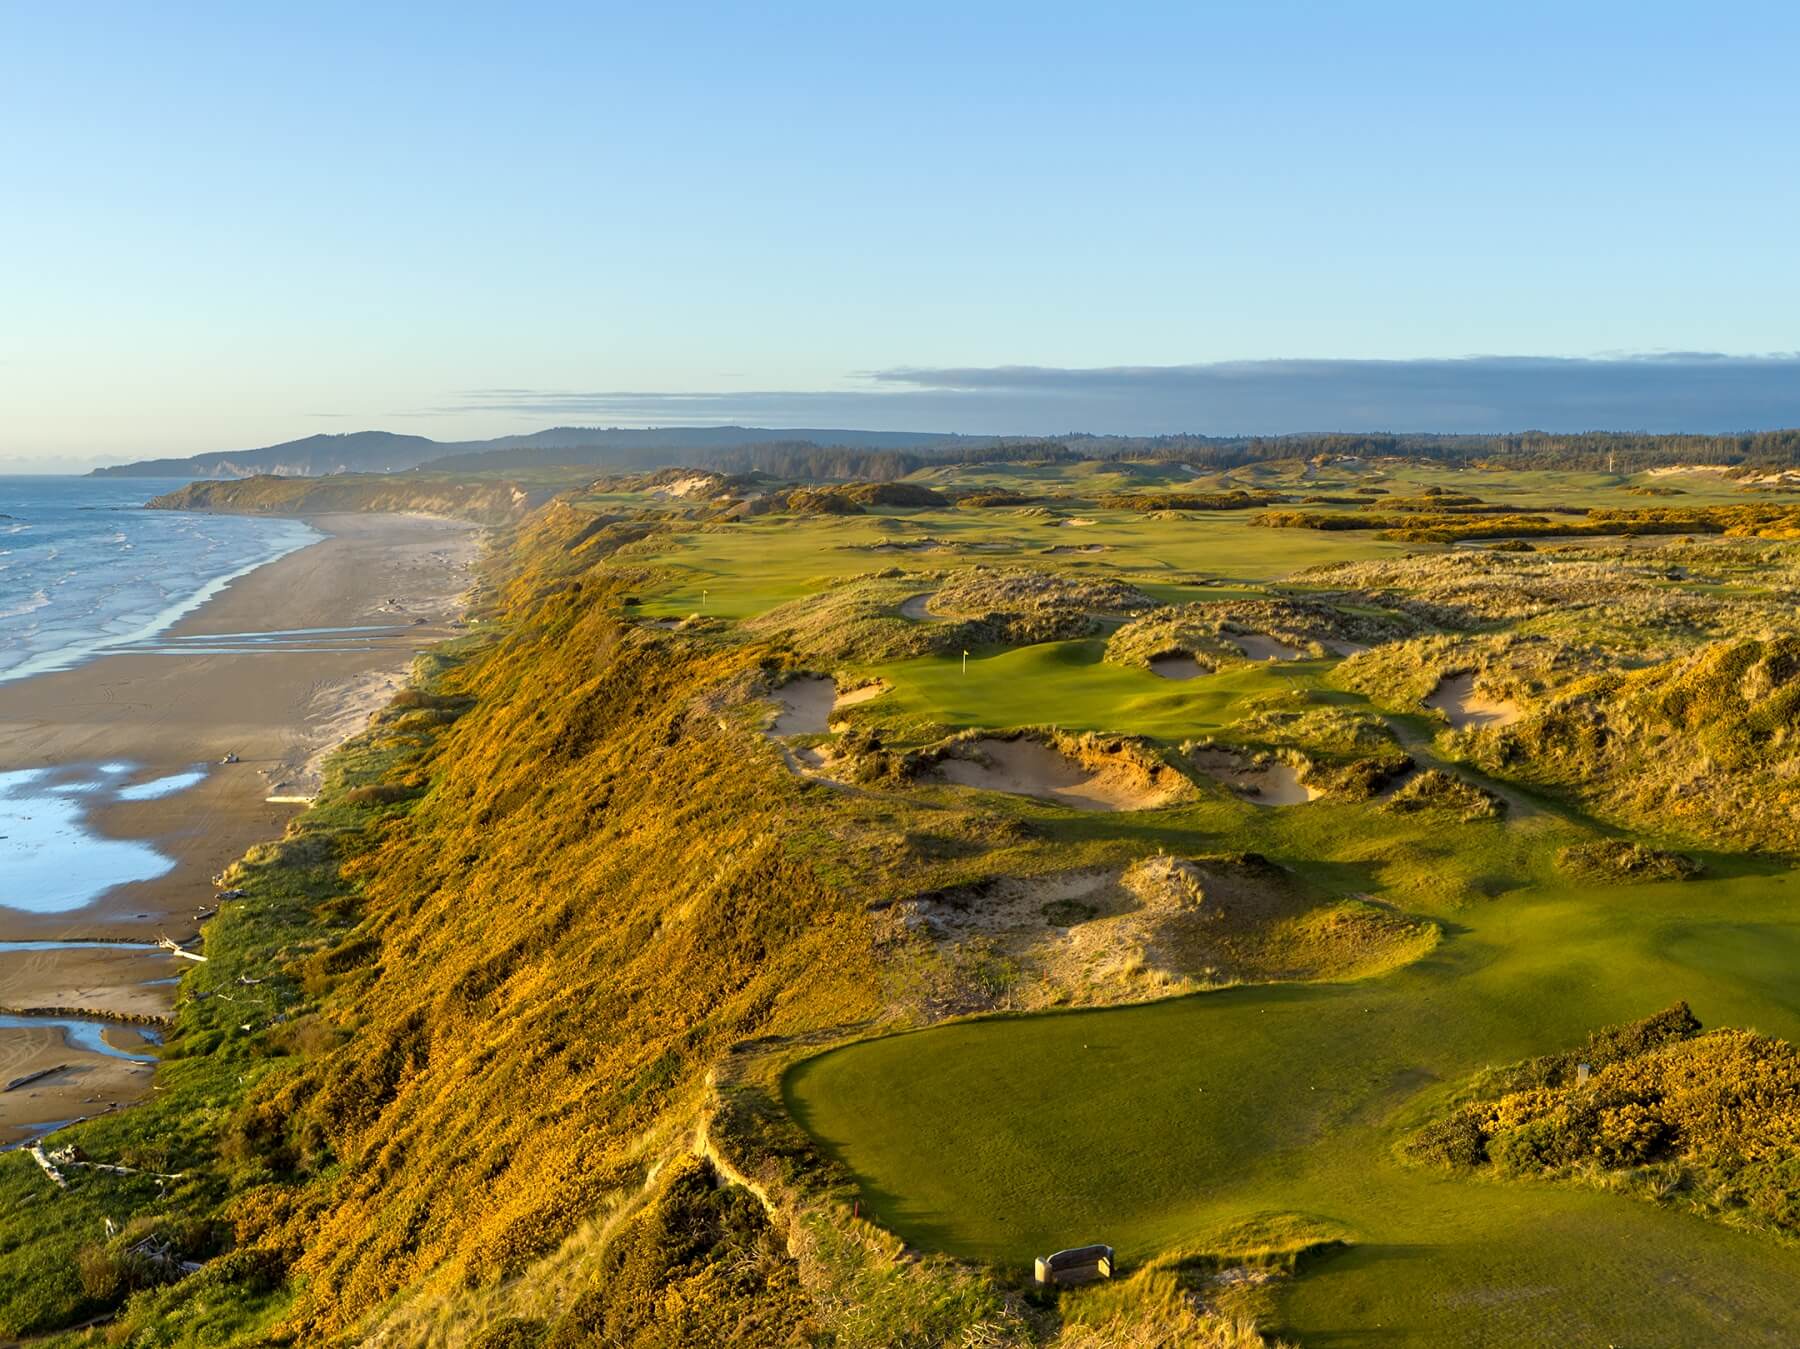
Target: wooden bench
x=1078 y=1264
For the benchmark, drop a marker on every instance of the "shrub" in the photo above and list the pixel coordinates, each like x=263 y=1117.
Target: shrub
x=1661 y=1100
x=1615 y=861
x=1432 y=789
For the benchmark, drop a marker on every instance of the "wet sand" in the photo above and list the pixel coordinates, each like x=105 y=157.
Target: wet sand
x=240 y=676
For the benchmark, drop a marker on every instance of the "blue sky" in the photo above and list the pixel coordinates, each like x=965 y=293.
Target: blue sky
x=226 y=225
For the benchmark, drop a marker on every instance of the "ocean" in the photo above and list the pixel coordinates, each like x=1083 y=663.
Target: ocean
x=84 y=568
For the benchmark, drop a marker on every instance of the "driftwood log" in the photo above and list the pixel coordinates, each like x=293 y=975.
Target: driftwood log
x=37 y=1155
x=29 y=1078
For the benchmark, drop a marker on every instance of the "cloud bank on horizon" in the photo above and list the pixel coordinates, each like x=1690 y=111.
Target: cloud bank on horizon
x=1679 y=391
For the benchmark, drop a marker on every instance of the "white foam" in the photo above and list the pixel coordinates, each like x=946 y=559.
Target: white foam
x=159 y=787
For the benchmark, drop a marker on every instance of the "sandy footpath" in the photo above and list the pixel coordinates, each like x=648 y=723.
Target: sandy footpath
x=214 y=685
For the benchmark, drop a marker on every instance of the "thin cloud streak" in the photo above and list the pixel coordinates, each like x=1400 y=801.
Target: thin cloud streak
x=1676 y=391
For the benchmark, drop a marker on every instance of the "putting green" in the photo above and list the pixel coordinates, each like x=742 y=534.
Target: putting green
x=1145 y=1127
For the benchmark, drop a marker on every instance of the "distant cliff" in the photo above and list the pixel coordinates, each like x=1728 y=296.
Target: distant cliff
x=315 y=456
x=487 y=501
x=614 y=447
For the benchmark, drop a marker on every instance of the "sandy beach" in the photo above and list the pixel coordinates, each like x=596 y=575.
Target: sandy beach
x=279 y=666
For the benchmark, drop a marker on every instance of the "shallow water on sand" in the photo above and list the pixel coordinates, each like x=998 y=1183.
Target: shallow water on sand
x=49 y=862
x=85 y=1035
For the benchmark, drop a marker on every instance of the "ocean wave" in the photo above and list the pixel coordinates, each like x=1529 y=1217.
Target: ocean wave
x=94 y=581
x=29 y=605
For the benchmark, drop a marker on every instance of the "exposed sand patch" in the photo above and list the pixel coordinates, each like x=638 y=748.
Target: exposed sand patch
x=1027 y=768
x=1177 y=667
x=1079 y=935
x=806 y=706
x=1076 y=522
x=860 y=695
x=1346 y=649
x=915 y=609
x=1258 y=647
x=1065 y=549
x=1163 y=925
x=84 y=1082
x=1271 y=783
x=1456 y=698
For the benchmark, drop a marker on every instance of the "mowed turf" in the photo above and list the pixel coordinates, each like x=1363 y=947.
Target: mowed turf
x=1145 y=1127
x=1068 y=685
x=740 y=570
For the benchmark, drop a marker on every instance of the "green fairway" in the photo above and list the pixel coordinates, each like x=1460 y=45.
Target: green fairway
x=739 y=570
x=1066 y=684
x=1145 y=1127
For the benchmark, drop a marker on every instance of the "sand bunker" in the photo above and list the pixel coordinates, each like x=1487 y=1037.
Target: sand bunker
x=1258 y=647
x=1065 y=549
x=806 y=706
x=1177 y=667
x=859 y=695
x=1456 y=698
x=1272 y=783
x=1027 y=768
x=915 y=609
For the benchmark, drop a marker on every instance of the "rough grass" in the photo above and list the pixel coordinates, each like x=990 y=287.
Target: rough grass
x=1205 y=630
x=1655 y=1109
x=1704 y=746
x=1618 y=861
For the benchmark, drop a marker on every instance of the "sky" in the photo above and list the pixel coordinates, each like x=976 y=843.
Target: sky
x=228 y=225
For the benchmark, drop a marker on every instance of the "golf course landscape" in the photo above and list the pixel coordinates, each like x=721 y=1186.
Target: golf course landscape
x=1356 y=889
x=1172 y=1128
